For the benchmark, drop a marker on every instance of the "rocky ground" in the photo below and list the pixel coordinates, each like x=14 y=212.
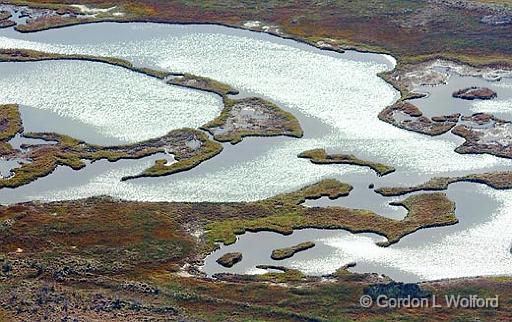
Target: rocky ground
x=229 y=259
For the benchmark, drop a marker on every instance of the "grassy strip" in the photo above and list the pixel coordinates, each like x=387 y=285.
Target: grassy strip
x=288 y=125
x=496 y=180
x=350 y=25
x=51 y=22
x=208 y=150
x=185 y=80
x=416 y=121
x=308 y=32
x=320 y=156
x=491 y=60
x=331 y=188
x=27 y=55
x=202 y=83
x=44 y=159
x=10 y=122
x=286 y=275
x=66 y=152
x=283 y=253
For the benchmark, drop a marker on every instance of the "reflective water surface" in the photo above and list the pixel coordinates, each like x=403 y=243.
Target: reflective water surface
x=336 y=97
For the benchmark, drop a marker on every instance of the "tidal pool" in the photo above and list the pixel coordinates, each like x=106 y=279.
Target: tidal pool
x=336 y=97
x=440 y=101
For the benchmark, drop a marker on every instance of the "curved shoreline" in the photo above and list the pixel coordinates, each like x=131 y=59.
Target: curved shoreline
x=170 y=272
x=212 y=23
x=320 y=156
x=424 y=211
x=193 y=82
x=494 y=180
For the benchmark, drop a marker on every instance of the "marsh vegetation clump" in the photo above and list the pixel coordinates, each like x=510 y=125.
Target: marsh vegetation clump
x=283 y=253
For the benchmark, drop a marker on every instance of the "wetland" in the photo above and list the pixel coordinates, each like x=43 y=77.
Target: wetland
x=239 y=156
x=335 y=115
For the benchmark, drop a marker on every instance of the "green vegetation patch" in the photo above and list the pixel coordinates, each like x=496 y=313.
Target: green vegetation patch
x=283 y=253
x=203 y=83
x=138 y=259
x=26 y=55
x=10 y=122
x=188 y=80
x=195 y=148
x=320 y=156
x=284 y=274
x=190 y=147
x=424 y=210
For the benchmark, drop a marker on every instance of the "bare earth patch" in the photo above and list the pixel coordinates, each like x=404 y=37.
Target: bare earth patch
x=252 y=117
x=485 y=133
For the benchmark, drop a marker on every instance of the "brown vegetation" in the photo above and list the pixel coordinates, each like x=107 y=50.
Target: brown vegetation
x=407 y=116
